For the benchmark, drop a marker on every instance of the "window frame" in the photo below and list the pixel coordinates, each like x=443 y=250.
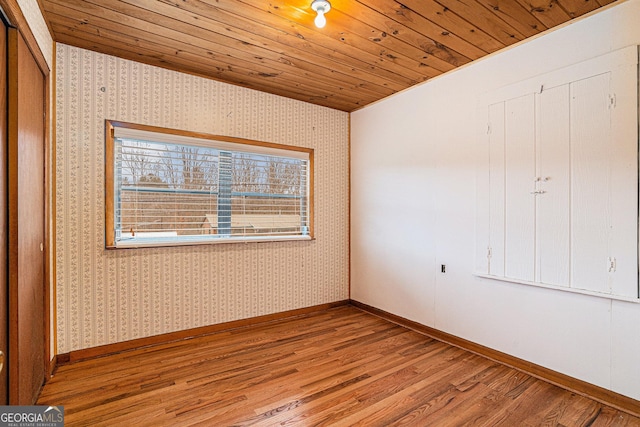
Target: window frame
x=110 y=179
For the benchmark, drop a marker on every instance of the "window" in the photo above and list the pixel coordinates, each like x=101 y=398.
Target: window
x=166 y=187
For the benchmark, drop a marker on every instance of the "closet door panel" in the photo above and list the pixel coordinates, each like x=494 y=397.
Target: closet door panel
x=497 y=192
x=483 y=194
x=624 y=181
x=520 y=183
x=553 y=209
x=26 y=193
x=591 y=183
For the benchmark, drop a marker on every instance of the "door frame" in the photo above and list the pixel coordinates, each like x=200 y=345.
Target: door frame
x=14 y=18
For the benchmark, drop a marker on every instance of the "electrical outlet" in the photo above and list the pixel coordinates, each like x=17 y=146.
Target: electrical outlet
x=443 y=268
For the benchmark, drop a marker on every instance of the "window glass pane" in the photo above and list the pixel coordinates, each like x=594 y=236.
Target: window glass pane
x=267 y=195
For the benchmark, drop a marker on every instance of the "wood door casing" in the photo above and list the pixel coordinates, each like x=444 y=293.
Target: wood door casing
x=4 y=344
x=26 y=223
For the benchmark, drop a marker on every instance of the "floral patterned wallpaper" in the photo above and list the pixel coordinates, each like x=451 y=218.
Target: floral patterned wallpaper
x=107 y=296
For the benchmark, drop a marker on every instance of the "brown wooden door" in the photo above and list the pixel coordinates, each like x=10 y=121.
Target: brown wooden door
x=27 y=96
x=4 y=240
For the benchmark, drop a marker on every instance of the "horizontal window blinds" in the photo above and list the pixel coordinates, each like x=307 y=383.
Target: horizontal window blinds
x=199 y=191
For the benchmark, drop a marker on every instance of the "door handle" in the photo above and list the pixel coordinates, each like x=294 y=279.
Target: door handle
x=1 y=360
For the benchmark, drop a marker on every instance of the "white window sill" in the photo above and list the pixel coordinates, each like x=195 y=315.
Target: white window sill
x=158 y=243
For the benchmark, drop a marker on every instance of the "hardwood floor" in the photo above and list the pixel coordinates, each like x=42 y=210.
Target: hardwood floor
x=339 y=367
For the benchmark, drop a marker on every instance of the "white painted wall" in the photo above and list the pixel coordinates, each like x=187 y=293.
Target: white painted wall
x=413 y=208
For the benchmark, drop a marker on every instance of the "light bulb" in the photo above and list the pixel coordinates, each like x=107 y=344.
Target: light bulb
x=320 y=20
x=320 y=7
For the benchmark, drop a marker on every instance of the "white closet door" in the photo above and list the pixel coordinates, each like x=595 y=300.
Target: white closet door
x=553 y=209
x=497 y=183
x=520 y=183
x=591 y=183
x=483 y=193
x=624 y=181
x=558 y=194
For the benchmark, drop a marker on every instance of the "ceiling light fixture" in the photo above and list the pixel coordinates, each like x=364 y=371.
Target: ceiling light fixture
x=321 y=7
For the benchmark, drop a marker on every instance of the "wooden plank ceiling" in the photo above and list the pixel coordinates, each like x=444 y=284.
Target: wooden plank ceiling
x=368 y=50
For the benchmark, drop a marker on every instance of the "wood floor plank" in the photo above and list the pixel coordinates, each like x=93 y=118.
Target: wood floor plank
x=341 y=367
x=327 y=409
x=611 y=417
